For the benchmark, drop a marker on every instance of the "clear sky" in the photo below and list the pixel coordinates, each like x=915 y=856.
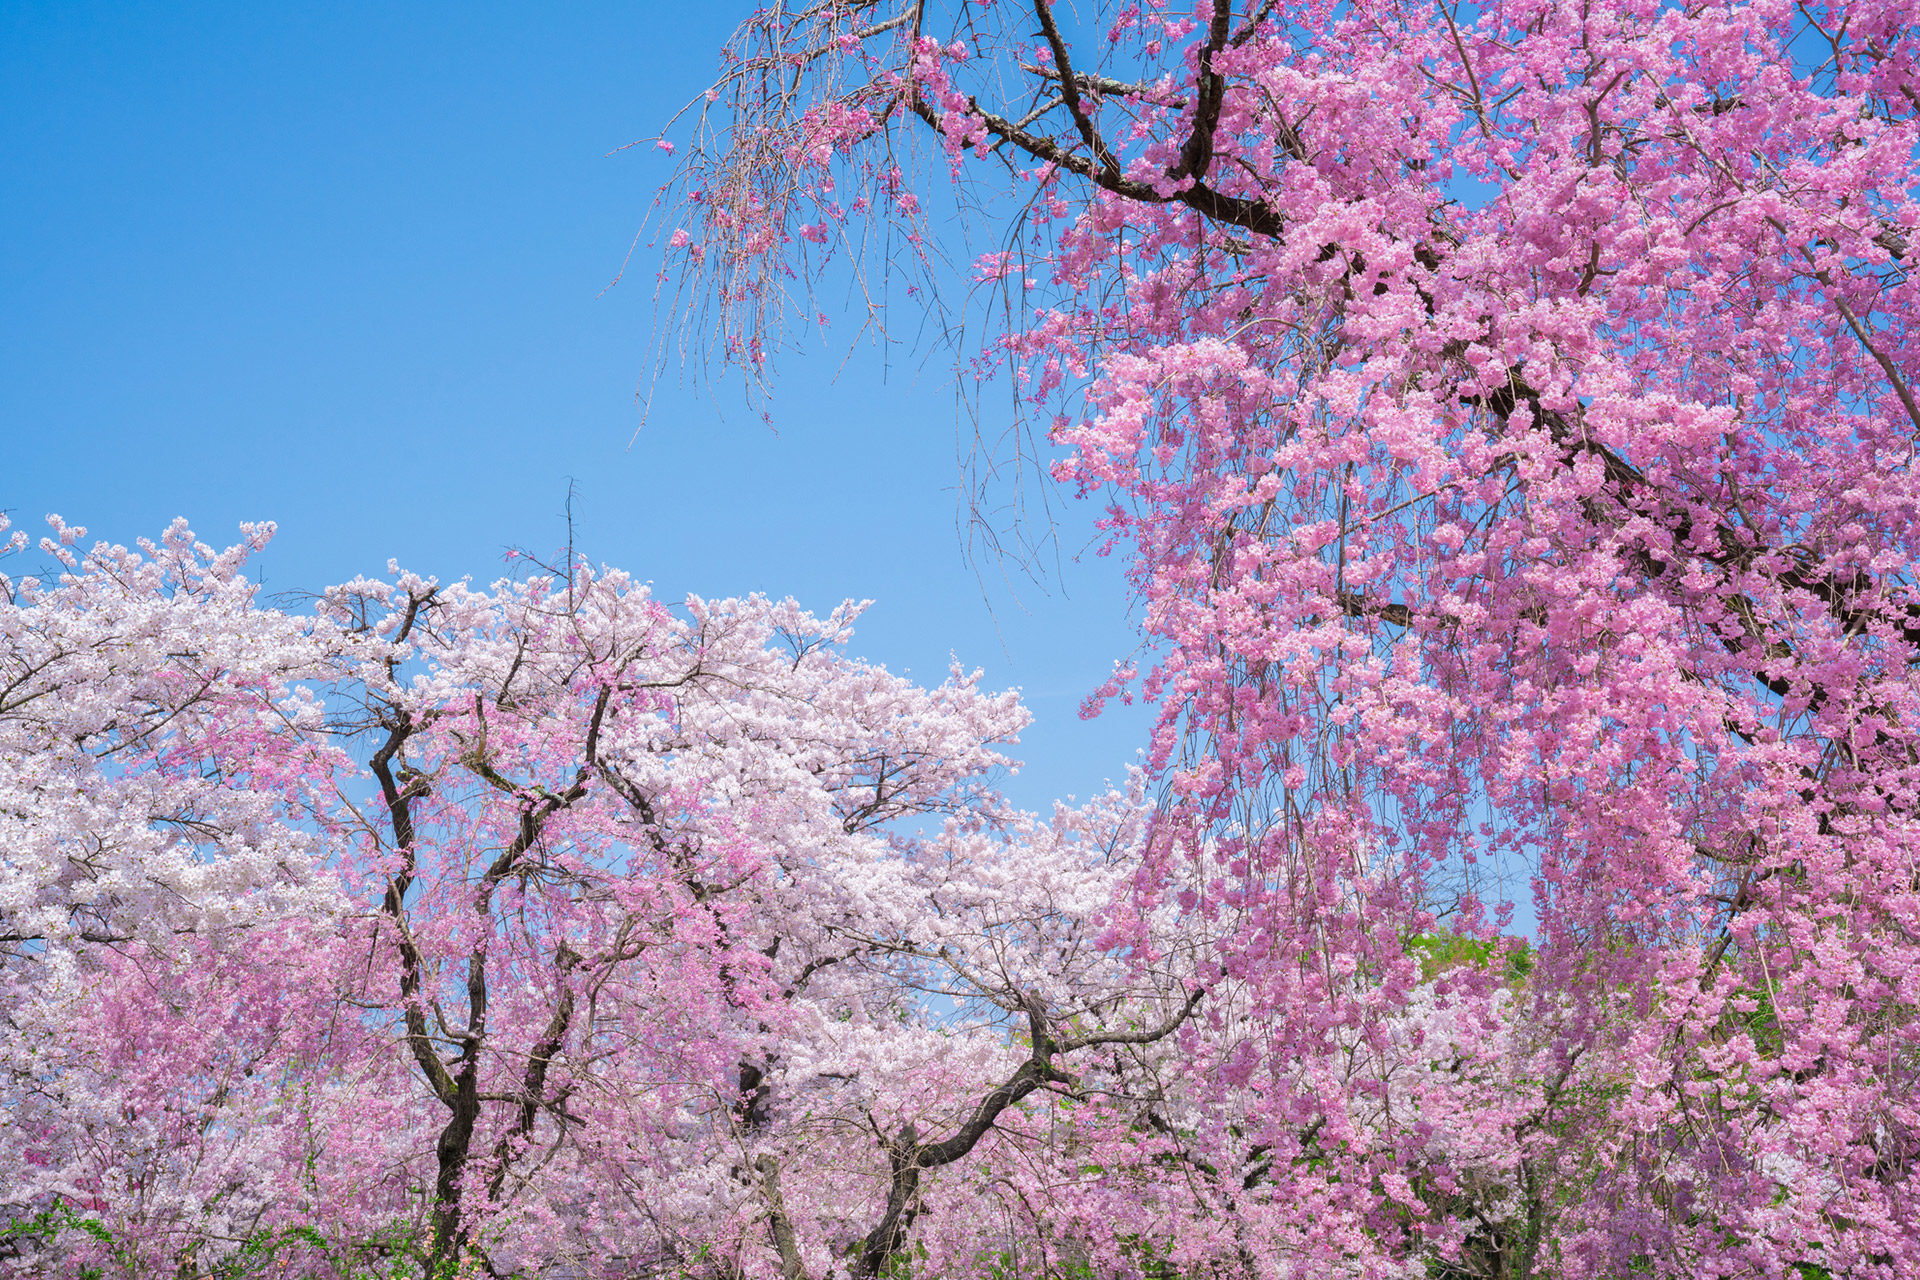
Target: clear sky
x=344 y=267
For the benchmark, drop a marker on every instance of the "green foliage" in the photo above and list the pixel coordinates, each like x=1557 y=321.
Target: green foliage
x=1010 y=1266
x=389 y=1256
x=1762 y=1023
x=902 y=1265
x=49 y=1223
x=1439 y=952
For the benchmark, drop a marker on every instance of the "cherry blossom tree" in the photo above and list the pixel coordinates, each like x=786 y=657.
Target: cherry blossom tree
x=1509 y=414
x=656 y=940
x=646 y=939
x=617 y=851
x=171 y=1081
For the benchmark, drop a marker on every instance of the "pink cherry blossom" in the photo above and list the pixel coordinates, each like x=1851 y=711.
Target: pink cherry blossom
x=1509 y=416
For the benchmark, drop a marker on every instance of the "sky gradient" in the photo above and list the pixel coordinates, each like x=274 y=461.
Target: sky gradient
x=345 y=268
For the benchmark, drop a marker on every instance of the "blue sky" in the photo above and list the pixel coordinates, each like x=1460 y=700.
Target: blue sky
x=344 y=267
